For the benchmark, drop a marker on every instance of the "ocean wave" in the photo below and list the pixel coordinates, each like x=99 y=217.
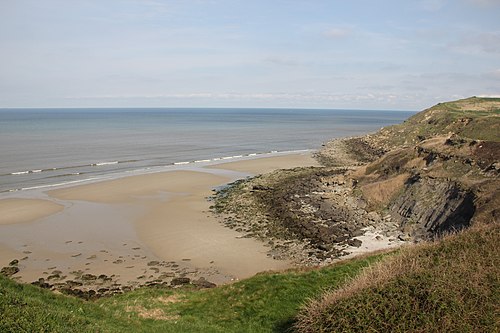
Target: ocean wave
x=58 y=184
x=20 y=173
x=79 y=173
x=104 y=163
x=25 y=172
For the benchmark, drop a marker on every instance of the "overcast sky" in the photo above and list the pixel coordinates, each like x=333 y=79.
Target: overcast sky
x=358 y=54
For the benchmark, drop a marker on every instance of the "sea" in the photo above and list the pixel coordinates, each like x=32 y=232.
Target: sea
x=47 y=147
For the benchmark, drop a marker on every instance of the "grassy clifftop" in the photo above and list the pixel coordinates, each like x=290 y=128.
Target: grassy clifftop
x=472 y=118
x=435 y=173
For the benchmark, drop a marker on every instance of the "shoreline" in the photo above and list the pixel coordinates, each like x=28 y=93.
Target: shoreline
x=137 y=230
x=179 y=165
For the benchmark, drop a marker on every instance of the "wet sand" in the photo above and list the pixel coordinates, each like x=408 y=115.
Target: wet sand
x=137 y=228
x=26 y=210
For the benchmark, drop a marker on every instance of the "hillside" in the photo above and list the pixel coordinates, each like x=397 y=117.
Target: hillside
x=448 y=286
x=266 y=302
x=435 y=173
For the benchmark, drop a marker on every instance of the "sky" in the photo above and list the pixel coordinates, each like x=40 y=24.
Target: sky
x=336 y=54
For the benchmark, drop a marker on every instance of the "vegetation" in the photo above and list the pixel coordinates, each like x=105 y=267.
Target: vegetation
x=452 y=285
x=265 y=303
x=473 y=118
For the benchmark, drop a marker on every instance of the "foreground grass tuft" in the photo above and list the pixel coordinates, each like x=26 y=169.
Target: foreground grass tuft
x=452 y=285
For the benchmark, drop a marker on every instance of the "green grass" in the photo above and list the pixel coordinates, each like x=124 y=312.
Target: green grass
x=481 y=115
x=449 y=286
x=264 y=303
x=25 y=308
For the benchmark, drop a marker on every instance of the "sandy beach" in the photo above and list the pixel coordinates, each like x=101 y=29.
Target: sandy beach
x=26 y=210
x=145 y=227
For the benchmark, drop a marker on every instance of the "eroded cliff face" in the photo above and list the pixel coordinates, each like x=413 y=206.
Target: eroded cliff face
x=442 y=181
x=436 y=173
x=430 y=207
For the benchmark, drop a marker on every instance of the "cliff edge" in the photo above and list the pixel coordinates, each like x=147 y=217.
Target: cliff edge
x=435 y=173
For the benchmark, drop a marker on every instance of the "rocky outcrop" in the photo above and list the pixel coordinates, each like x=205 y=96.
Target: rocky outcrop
x=429 y=207
x=437 y=172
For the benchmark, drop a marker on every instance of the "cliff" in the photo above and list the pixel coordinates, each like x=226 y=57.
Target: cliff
x=440 y=170
x=433 y=174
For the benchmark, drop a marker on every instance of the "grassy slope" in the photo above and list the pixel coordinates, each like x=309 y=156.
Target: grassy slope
x=473 y=118
x=264 y=303
x=449 y=286
x=453 y=285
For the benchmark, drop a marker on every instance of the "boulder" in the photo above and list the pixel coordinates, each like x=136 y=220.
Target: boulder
x=9 y=270
x=354 y=242
x=180 y=281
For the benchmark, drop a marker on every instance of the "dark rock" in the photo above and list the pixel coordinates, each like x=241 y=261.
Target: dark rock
x=104 y=277
x=433 y=207
x=14 y=262
x=72 y=283
x=88 y=277
x=154 y=283
x=357 y=232
x=9 y=270
x=261 y=188
x=180 y=281
x=354 y=242
x=404 y=237
x=42 y=284
x=54 y=277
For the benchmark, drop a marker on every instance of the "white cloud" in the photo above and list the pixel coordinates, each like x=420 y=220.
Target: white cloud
x=489 y=95
x=337 y=33
x=282 y=61
x=432 y=5
x=262 y=96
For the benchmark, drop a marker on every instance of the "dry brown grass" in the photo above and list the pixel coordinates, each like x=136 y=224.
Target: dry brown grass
x=447 y=285
x=153 y=313
x=381 y=192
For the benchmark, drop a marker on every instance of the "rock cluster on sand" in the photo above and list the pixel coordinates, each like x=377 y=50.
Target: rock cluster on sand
x=308 y=215
x=90 y=286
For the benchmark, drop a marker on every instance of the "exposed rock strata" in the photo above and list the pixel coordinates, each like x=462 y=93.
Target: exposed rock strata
x=437 y=172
